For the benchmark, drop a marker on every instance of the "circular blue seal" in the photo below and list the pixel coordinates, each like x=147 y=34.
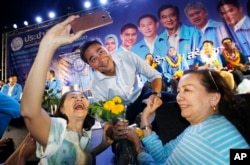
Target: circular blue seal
x=16 y=44
x=78 y=64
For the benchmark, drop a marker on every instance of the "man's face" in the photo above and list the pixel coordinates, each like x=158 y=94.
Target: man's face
x=172 y=51
x=228 y=44
x=169 y=19
x=129 y=37
x=208 y=48
x=231 y=14
x=197 y=17
x=12 y=80
x=148 y=27
x=99 y=59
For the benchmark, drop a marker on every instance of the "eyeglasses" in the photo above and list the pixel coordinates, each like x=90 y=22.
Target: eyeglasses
x=212 y=78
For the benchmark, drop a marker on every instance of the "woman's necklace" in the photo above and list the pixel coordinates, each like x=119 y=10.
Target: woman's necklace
x=172 y=64
x=233 y=57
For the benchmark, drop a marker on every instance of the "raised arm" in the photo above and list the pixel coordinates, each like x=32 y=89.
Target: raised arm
x=36 y=119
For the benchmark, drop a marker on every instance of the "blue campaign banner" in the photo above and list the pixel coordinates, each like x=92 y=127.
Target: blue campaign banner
x=71 y=70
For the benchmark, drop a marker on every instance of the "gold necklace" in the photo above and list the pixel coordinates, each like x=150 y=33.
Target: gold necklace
x=232 y=58
x=174 y=65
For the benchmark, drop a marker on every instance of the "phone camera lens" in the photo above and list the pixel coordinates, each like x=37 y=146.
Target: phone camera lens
x=104 y=18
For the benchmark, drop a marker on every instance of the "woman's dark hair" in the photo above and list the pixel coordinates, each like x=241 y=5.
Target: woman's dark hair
x=232 y=106
x=89 y=120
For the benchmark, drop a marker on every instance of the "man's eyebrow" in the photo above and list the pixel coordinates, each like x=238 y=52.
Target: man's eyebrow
x=97 y=50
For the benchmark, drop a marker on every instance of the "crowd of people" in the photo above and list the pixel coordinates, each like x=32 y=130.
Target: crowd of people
x=203 y=86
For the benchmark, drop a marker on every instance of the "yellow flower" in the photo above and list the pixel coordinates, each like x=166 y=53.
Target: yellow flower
x=216 y=63
x=154 y=65
x=109 y=105
x=108 y=110
x=178 y=73
x=117 y=99
x=139 y=132
x=117 y=109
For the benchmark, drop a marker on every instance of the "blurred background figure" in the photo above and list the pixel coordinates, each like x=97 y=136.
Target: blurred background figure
x=173 y=67
x=150 y=59
x=208 y=59
x=1 y=83
x=13 y=89
x=231 y=12
x=9 y=109
x=208 y=29
x=111 y=43
x=128 y=37
x=53 y=84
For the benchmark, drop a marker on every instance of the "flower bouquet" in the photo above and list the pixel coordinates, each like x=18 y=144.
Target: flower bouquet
x=108 y=110
x=112 y=111
x=178 y=74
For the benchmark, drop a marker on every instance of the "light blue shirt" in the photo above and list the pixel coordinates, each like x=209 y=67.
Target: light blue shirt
x=121 y=49
x=215 y=32
x=9 y=108
x=208 y=142
x=16 y=91
x=169 y=71
x=241 y=35
x=125 y=83
x=188 y=41
x=64 y=146
x=141 y=48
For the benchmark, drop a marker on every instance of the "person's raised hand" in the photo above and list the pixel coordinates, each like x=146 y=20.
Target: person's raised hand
x=60 y=35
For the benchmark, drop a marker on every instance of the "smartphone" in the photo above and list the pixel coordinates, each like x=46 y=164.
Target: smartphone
x=91 y=21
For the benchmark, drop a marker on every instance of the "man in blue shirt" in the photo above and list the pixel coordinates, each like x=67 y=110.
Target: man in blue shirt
x=151 y=43
x=208 y=29
x=176 y=34
x=13 y=89
x=116 y=75
x=53 y=84
x=128 y=37
x=239 y=25
x=9 y=108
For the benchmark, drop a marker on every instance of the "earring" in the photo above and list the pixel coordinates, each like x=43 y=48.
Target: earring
x=214 y=108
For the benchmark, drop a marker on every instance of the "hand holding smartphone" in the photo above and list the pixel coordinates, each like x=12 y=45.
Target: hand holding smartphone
x=91 y=21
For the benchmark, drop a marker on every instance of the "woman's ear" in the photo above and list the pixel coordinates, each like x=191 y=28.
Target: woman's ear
x=215 y=98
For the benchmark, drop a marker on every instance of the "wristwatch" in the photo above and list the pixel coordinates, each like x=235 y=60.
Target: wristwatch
x=158 y=94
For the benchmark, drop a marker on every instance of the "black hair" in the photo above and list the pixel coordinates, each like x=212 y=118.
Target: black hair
x=208 y=41
x=13 y=75
x=89 y=120
x=128 y=26
x=85 y=46
x=227 y=2
x=52 y=72
x=148 y=55
x=147 y=16
x=227 y=38
x=168 y=6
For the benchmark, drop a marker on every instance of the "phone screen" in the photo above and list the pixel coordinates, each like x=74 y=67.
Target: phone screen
x=91 y=21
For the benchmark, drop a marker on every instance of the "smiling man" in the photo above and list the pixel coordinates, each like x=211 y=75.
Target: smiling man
x=208 y=28
x=148 y=25
x=116 y=75
x=239 y=24
x=128 y=36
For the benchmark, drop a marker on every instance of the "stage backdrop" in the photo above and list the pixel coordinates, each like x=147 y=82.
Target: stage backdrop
x=22 y=47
